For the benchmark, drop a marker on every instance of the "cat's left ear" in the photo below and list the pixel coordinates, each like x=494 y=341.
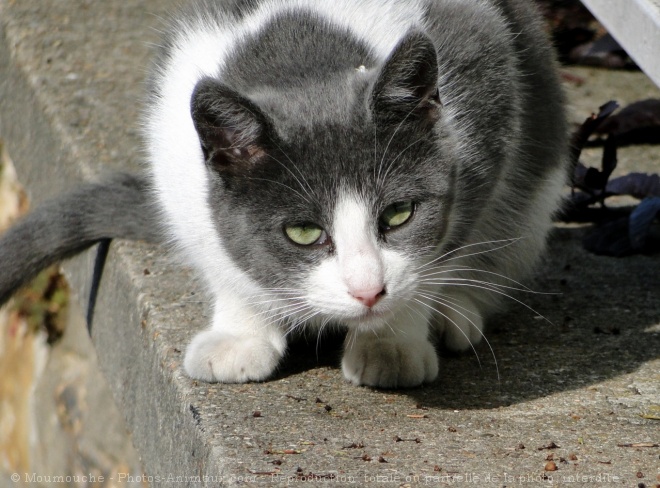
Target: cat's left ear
x=232 y=130
x=407 y=87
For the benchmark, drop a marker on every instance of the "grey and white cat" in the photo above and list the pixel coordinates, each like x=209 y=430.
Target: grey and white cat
x=385 y=165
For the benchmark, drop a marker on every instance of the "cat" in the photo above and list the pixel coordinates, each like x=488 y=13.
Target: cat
x=390 y=166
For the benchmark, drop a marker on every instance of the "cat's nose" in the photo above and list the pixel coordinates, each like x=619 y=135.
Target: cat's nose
x=368 y=297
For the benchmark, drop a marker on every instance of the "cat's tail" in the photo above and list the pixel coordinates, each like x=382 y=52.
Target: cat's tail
x=60 y=228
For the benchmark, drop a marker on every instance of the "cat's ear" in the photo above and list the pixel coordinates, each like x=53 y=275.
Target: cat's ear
x=232 y=130
x=407 y=86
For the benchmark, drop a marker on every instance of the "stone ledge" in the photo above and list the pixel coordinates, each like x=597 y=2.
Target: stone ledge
x=70 y=75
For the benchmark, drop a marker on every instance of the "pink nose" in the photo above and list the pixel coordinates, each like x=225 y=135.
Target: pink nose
x=368 y=297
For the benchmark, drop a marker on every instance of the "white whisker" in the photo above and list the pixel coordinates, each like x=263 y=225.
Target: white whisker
x=451 y=300
x=387 y=146
x=450 y=280
x=476 y=270
x=278 y=183
x=440 y=301
x=391 y=163
x=450 y=320
x=507 y=241
x=500 y=292
x=306 y=187
x=324 y=323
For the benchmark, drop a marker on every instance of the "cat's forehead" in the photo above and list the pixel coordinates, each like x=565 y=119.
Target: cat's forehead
x=336 y=165
x=332 y=159
x=341 y=101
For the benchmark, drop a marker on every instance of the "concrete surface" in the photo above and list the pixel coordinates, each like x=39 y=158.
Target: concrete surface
x=581 y=390
x=55 y=405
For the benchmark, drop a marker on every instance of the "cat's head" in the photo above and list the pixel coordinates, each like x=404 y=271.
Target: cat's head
x=332 y=195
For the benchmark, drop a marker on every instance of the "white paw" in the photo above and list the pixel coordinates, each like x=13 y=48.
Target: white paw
x=220 y=357
x=462 y=327
x=389 y=362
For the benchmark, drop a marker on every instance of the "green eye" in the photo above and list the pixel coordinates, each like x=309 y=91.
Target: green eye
x=305 y=234
x=396 y=214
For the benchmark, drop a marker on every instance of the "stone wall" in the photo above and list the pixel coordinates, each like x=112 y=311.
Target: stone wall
x=57 y=415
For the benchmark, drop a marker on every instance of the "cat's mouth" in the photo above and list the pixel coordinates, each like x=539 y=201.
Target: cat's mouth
x=371 y=318
x=375 y=314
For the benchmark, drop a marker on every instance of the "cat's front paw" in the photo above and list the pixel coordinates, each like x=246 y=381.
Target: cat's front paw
x=389 y=362
x=220 y=357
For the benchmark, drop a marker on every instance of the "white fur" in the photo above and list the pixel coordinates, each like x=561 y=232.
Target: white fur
x=359 y=262
x=397 y=355
x=388 y=345
x=242 y=344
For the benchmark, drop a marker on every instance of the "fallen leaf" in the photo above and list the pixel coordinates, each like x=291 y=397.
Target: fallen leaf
x=637 y=123
x=359 y=445
x=604 y=52
x=640 y=222
x=638 y=185
x=283 y=451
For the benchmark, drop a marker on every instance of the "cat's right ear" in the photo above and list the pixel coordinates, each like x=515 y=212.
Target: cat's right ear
x=407 y=86
x=233 y=131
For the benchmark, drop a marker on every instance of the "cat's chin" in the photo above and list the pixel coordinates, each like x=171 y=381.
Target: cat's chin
x=369 y=320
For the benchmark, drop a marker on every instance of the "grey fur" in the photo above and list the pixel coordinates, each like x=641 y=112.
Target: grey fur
x=69 y=224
